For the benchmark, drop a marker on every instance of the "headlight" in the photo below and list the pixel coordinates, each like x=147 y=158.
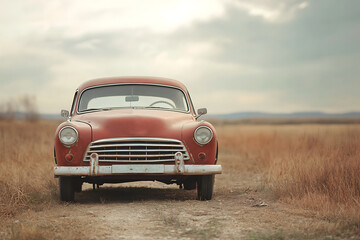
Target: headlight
x=68 y=136
x=203 y=135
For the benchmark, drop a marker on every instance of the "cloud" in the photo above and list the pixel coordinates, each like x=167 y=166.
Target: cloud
x=271 y=11
x=233 y=55
x=305 y=63
x=74 y=18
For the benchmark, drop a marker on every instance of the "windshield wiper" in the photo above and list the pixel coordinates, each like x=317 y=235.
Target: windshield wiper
x=157 y=107
x=102 y=109
x=111 y=108
x=96 y=109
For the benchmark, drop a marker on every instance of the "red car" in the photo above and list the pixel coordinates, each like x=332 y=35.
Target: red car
x=128 y=129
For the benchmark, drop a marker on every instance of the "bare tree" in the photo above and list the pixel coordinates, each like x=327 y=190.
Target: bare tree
x=29 y=107
x=25 y=103
x=2 y=110
x=8 y=110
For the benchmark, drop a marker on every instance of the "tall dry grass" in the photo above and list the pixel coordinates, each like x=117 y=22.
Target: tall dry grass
x=314 y=166
x=26 y=165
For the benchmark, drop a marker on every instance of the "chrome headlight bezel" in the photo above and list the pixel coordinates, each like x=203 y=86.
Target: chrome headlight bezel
x=76 y=136
x=210 y=137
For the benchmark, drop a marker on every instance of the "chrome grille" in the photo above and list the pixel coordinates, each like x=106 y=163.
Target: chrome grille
x=136 y=150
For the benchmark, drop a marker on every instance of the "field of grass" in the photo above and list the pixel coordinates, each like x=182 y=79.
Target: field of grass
x=312 y=166
x=26 y=165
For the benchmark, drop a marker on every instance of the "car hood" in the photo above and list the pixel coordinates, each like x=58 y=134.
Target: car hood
x=135 y=123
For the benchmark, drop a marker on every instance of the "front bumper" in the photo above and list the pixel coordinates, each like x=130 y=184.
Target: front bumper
x=138 y=169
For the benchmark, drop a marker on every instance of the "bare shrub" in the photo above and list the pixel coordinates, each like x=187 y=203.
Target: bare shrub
x=20 y=231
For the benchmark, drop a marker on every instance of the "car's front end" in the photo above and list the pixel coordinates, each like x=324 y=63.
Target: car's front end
x=135 y=143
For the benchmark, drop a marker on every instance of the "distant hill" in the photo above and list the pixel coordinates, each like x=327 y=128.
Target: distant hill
x=242 y=115
x=21 y=115
x=247 y=115
x=50 y=116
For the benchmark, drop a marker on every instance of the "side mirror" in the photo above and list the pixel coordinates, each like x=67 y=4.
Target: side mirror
x=65 y=113
x=201 y=111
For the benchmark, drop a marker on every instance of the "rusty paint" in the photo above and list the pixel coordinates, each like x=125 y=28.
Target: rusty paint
x=179 y=162
x=94 y=164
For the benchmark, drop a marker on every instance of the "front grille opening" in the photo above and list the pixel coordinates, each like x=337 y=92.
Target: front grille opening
x=136 y=150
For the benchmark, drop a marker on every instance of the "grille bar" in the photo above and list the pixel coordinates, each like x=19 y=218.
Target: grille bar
x=132 y=150
x=134 y=156
x=132 y=161
x=143 y=150
x=136 y=145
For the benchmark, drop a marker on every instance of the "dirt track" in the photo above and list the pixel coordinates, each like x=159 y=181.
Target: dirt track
x=147 y=210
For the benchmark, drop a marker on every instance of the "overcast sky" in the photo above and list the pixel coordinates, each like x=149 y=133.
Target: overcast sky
x=233 y=55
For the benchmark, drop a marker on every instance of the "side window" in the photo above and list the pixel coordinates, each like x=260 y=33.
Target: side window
x=73 y=104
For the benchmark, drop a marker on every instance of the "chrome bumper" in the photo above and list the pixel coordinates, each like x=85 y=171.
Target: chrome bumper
x=138 y=169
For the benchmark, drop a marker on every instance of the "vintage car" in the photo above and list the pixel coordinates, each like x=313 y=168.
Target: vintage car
x=126 y=129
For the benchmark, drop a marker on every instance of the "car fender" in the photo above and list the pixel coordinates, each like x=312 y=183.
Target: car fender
x=194 y=148
x=78 y=149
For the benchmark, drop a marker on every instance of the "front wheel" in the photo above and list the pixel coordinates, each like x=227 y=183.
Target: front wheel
x=190 y=183
x=67 y=190
x=205 y=187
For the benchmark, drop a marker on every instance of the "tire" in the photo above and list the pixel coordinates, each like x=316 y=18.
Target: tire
x=190 y=183
x=67 y=191
x=205 y=187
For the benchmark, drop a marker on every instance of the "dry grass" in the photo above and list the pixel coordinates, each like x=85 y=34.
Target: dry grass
x=314 y=166
x=26 y=169
x=26 y=232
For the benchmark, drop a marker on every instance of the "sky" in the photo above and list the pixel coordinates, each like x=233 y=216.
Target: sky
x=233 y=55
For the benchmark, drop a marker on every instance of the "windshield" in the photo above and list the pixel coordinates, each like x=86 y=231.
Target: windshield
x=132 y=96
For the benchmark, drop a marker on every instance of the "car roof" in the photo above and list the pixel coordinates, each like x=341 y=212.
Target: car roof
x=122 y=80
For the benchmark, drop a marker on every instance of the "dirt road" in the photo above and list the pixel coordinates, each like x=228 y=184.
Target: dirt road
x=147 y=210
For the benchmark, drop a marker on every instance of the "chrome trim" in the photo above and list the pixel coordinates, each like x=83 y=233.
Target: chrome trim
x=77 y=134
x=73 y=105
x=134 y=150
x=212 y=135
x=137 y=138
x=191 y=103
x=120 y=150
x=117 y=84
x=134 y=155
x=134 y=145
x=136 y=169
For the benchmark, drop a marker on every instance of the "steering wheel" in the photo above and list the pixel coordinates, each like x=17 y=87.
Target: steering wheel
x=162 y=102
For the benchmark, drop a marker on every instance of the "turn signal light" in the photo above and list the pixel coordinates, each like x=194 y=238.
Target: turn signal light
x=69 y=157
x=202 y=156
